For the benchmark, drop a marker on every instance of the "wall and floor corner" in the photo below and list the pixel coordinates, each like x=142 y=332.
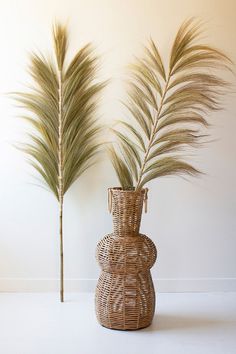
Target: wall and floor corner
x=192 y=223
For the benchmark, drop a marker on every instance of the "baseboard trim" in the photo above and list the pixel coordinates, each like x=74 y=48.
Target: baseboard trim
x=88 y=285
x=195 y=285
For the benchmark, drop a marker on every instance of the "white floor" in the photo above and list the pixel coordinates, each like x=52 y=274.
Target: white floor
x=184 y=324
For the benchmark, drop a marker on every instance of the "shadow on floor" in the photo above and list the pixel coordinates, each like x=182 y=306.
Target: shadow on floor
x=162 y=322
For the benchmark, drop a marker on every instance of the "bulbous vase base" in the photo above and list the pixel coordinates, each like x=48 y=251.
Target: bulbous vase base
x=125 y=296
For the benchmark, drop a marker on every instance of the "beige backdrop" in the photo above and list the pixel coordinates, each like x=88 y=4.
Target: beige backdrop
x=193 y=223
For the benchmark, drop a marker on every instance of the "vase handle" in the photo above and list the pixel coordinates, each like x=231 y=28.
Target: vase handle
x=145 y=199
x=110 y=200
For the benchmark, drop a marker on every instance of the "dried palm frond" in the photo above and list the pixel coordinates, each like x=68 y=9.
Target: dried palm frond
x=168 y=108
x=62 y=105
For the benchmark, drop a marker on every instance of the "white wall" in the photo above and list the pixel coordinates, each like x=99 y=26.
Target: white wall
x=192 y=223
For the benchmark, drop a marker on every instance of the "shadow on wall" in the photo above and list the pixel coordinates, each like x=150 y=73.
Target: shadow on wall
x=162 y=322
x=89 y=187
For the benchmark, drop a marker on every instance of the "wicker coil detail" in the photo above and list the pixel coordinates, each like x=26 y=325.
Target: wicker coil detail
x=125 y=296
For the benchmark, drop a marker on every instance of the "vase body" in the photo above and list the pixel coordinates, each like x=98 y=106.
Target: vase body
x=125 y=296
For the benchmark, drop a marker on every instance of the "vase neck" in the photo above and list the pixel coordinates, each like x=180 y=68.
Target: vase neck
x=126 y=207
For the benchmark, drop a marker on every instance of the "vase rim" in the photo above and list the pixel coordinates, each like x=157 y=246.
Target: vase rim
x=120 y=189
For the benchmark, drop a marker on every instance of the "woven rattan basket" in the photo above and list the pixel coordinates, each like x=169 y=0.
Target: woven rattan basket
x=125 y=297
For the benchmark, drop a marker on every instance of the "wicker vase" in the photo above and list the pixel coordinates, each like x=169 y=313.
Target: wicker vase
x=125 y=297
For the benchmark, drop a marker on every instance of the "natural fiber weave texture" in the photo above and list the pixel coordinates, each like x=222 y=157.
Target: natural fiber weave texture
x=125 y=297
x=126 y=209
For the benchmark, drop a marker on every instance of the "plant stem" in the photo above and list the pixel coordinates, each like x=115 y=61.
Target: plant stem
x=61 y=253
x=152 y=137
x=60 y=184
